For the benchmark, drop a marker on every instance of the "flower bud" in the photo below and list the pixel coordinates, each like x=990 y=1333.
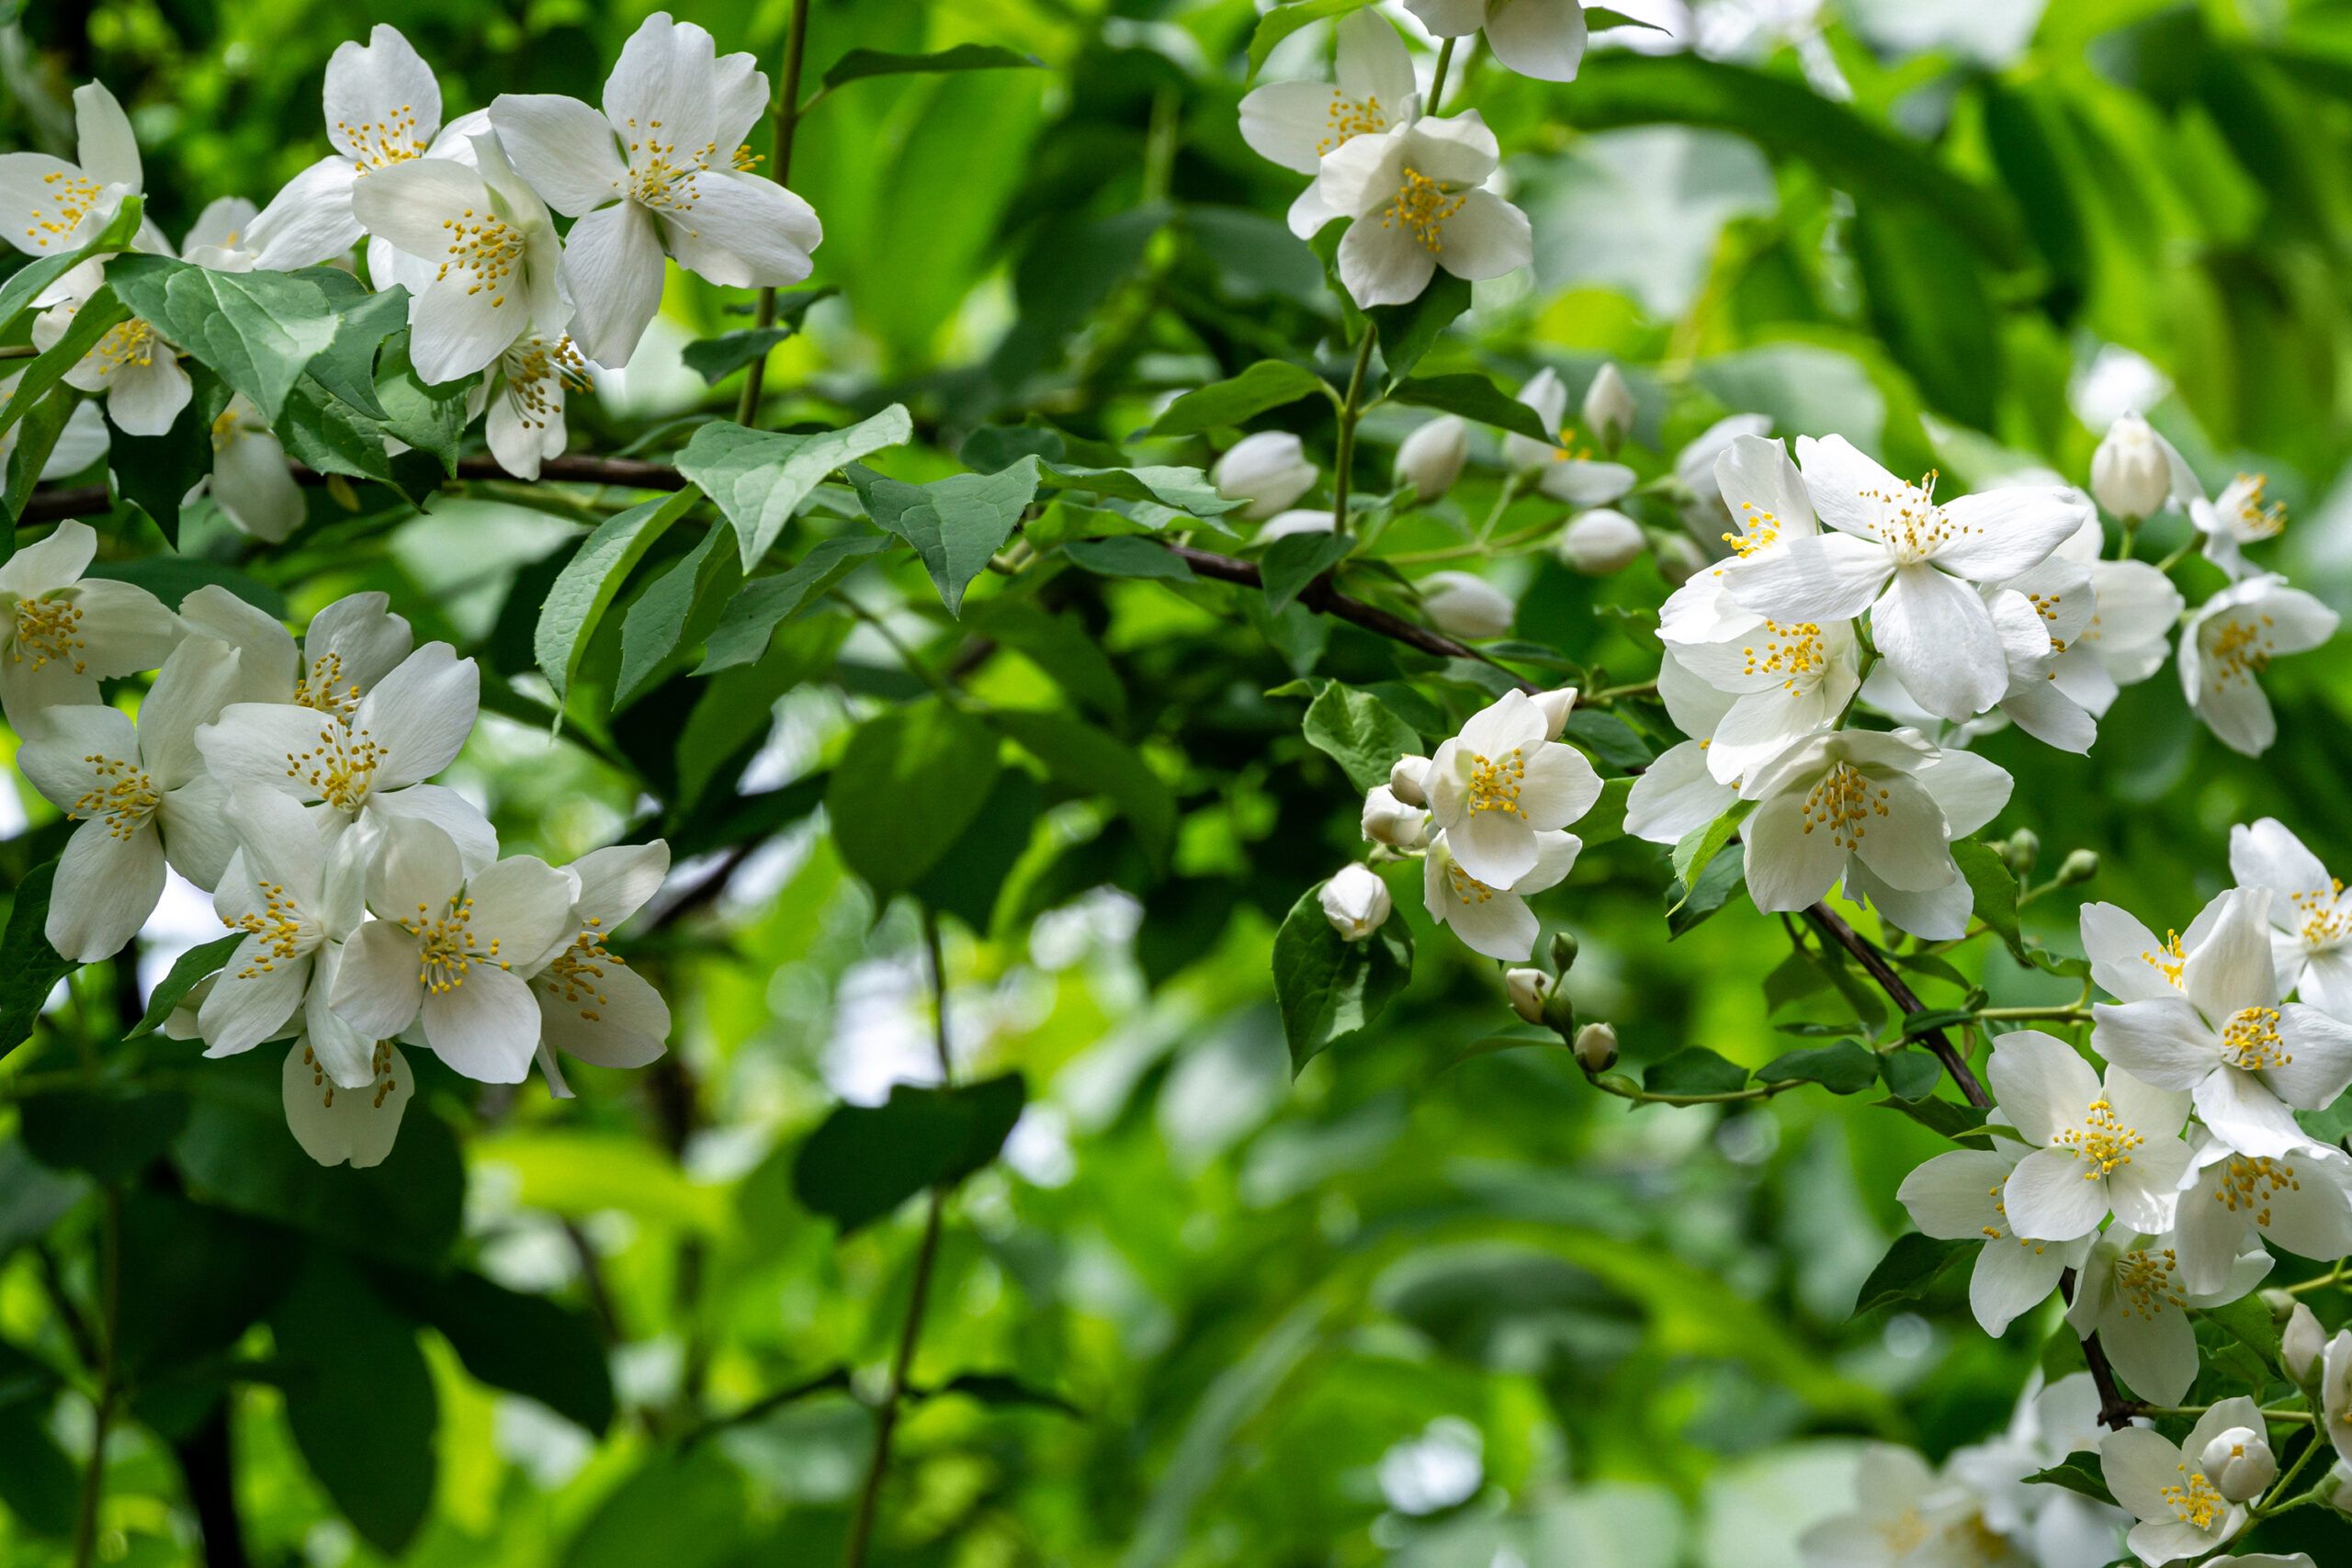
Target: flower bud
x=1528 y=988
x=1596 y=1047
x=1388 y=820
x=2080 y=865
x=2239 y=1463
x=2131 y=472
x=1356 y=902
x=1430 y=458
x=1564 y=952
x=1408 y=779
x=2301 y=1345
x=1267 y=471
x=1679 y=559
x=2335 y=1489
x=2023 y=849
x=1462 y=603
x=1283 y=524
x=1599 y=542
x=1544 y=394
x=1554 y=706
x=1608 y=408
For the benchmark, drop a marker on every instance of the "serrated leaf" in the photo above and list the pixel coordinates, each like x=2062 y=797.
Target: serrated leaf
x=1356 y=730
x=759 y=477
x=259 y=330
x=1328 y=988
x=956 y=524
x=863 y=1161
x=759 y=606
x=1909 y=1271
x=1269 y=384
x=1474 y=397
x=668 y=616
x=859 y=63
x=589 y=582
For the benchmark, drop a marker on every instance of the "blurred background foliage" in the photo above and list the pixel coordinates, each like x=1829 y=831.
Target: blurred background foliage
x=1393 y=1311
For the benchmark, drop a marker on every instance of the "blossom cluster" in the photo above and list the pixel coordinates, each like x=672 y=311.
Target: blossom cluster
x=293 y=784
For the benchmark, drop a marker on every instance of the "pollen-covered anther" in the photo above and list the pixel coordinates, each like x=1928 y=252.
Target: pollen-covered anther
x=2251 y=1041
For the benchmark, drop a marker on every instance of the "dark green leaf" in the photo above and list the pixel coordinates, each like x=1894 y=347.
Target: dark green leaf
x=968 y=878
x=715 y=358
x=39 y=1484
x=1295 y=560
x=1841 y=1069
x=910 y=782
x=1327 y=987
x=1694 y=1069
x=1910 y=1074
x=759 y=479
x=1994 y=889
x=1409 y=331
x=32 y=1196
x=1128 y=556
x=186 y=970
x=109 y=1132
x=29 y=966
x=862 y=62
x=865 y=1160
x=174 y=577
x=36 y=440
x=751 y=617
x=1061 y=646
x=1961 y=1124
x=523 y=1344
x=1909 y=1271
x=359 y=1400
x=345 y=369
x=259 y=330
x=2075 y=1477
x=1474 y=397
x=674 y=611
x=956 y=524
x=1269 y=384
x=1092 y=761
x=1001 y=1391
x=593 y=576
x=1356 y=730
x=1686 y=906
x=1609 y=737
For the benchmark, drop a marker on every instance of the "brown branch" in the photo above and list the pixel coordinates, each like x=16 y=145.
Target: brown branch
x=1874 y=963
x=1322 y=598
x=627 y=473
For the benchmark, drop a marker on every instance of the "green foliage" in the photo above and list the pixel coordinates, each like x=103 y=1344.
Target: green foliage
x=863 y=1161
x=1327 y=987
x=759 y=479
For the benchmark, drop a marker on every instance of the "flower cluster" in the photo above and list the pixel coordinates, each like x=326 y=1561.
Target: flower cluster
x=293 y=784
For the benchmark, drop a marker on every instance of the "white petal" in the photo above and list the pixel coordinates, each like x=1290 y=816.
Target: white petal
x=310 y=219
x=615 y=882
x=1383 y=265
x=105 y=147
x=382 y=102
x=1788 y=866
x=254 y=486
x=124 y=628
x=107 y=886
x=457 y=818
x=2012 y=1278
x=612 y=1018
x=1487 y=237
x=1291 y=123
x=2232 y=968
x=1824 y=577
x=337 y=1125
x=2320 y=1058
x=664 y=78
x=1373 y=63
x=2003 y=532
x=486 y=1027
x=1955 y=1196
x=420 y=714
x=2048 y=1198
x=256 y=995
x=612 y=260
x=376 y=989
x=1675 y=795
x=144 y=400
x=1936 y=636
x=2246 y=1116
x=1541 y=38
x=563 y=147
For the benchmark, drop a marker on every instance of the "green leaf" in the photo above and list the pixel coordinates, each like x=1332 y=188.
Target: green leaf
x=682 y=1511
x=2076 y=1477
x=2248 y=1321
x=1909 y=1271
x=759 y=479
x=1000 y=1391
x=859 y=63
x=715 y=358
x=956 y=524
x=345 y=369
x=1328 y=988
x=910 y=782
x=1356 y=730
x=1409 y=331
x=154 y=473
x=33 y=1197
x=188 y=968
x=259 y=330
x=1186 y=489
x=526 y=1345
x=174 y=577
x=29 y=967
x=359 y=1400
x=1841 y=1069
x=1283 y=20
x=1127 y=556
x=1295 y=560
x=1910 y=1074
x=1962 y=1124
x=1092 y=761
x=751 y=617
x=1927 y=297
x=1597 y=17
x=1474 y=397
x=1064 y=648
x=1517 y=1037
x=863 y=1161
x=20 y=288
x=665 y=617
x=1607 y=736
x=99 y=315
x=1994 y=889
x=39 y=1485
x=970 y=877
x=36 y=440
x=1701 y=845
x=108 y=1131
x=1686 y=906
x=1269 y=384
x=1694 y=1069
x=594 y=574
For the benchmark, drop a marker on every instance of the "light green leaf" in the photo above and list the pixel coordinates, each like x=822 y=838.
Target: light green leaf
x=663 y=618
x=259 y=330
x=1269 y=384
x=1295 y=560
x=760 y=479
x=585 y=589
x=759 y=605
x=956 y=524
x=1356 y=730
x=1186 y=489
x=1994 y=891
x=186 y=970
x=37 y=436
x=99 y=315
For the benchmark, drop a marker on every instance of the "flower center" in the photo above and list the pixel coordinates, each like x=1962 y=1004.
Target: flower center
x=1910 y=524
x=1789 y=652
x=324 y=688
x=1348 y=119
x=226 y=430
x=70 y=198
x=2238 y=649
x=124 y=795
x=383 y=142
x=1842 y=801
x=2102 y=1142
x=537 y=375
x=340 y=768
x=46 y=629
x=2145 y=1281
x=1759 y=530
x=2167 y=960
x=377 y=1093
x=2195 y=1502
x=450 y=946
x=576 y=975
x=1494 y=784
x=129 y=346
x=2251 y=1040
x=1466 y=888
x=279 y=926
x=2249 y=1185
x=488 y=246
x=2255 y=520
x=658 y=176
x=2324 y=924
x=1422 y=205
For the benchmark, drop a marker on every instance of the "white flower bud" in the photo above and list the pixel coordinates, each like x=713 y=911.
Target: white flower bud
x=1462 y=603
x=2301 y=1345
x=1268 y=470
x=1528 y=988
x=1608 y=408
x=1408 y=779
x=1596 y=1047
x=1544 y=394
x=1388 y=820
x=2131 y=472
x=2239 y=1463
x=1679 y=559
x=1430 y=458
x=2335 y=1488
x=1284 y=524
x=1356 y=902
x=1554 y=706
x=1599 y=542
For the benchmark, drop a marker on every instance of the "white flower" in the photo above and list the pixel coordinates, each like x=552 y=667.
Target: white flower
x=1678 y=793
x=51 y=207
x=82 y=443
x=1909 y=560
x=369 y=764
x=1415 y=193
x=2056 y=1528
x=1599 y=542
x=337 y=1125
x=1762 y=505
x=454 y=950
x=351 y=645
x=2129 y=1292
x=1430 y=459
x=592 y=1004
x=2135 y=471
x=1494 y=921
x=2133 y=610
x=2336 y=1392
x=1356 y=902
x=1388 y=820
x=2301 y=1345
x=297 y=899
x=1958 y=1197
x=1786 y=682
x=2227 y=1040
x=1408 y=779
x=1266 y=471
x=132 y=366
x=217 y=240
x=1542 y=38
x=2128 y=961
x=1464 y=605
x=1527 y=988
x=663 y=168
x=1295 y=123
x=1555 y=706
x=1608 y=407
x=2181 y=1506
x=1595 y=1047
x=2231 y=638
x=2099 y=1147
x=525 y=396
x=2238 y=516
x=250 y=479
x=1562 y=471
x=2301 y=1203
x=141 y=795
x=1500 y=785
x=1878 y=810
x=62 y=633
x=1698 y=464
x=2310 y=915
x=1903 y=1516
x=493 y=247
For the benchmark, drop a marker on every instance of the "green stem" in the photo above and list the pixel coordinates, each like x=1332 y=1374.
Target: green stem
x=1343 y=458
x=2077 y=1014
x=1437 y=82
x=2271 y=1504
x=94 y=1474
x=18 y=351
x=785 y=111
